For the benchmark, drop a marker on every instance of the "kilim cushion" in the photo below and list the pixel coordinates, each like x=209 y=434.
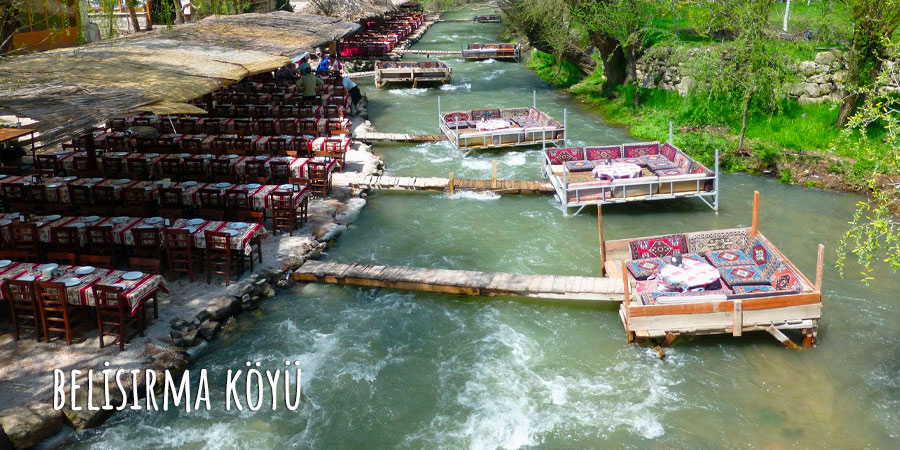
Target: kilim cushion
x=485 y=114
x=698 y=168
x=763 y=256
x=753 y=289
x=560 y=155
x=658 y=247
x=785 y=279
x=658 y=163
x=606 y=152
x=682 y=160
x=703 y=242
x=668 y=150
x=742 y=275
x=641 y=149
x=643 y=268
x=723 y=258
x=579 y=166
x=637 y=161
x=652 y=298
x=668 y=172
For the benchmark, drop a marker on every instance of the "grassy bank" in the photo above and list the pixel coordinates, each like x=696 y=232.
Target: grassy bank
x=798 y=143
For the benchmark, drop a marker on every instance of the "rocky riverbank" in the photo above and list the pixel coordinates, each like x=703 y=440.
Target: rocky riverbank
x=192 y=315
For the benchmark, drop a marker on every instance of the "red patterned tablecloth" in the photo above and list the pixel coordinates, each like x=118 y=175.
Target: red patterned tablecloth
x=241 y=237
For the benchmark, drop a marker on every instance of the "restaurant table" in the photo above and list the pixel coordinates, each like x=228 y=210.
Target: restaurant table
x=122 y=226
x=242 y=233
x=691 y=274
x=616 y=170
x=492 y=124
x=135 y=290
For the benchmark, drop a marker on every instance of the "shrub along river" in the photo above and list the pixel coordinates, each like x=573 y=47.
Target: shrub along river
x=398 y=369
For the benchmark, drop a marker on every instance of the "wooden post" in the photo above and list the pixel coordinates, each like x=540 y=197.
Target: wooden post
x=450 y=185
x=786 y=341
x=493 y=174
x=755 y=227
x=738 y=327
x=602 y=242
x=820 y=267
x=625 y=304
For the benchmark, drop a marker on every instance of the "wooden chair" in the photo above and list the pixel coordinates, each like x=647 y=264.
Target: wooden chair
x=100 y=241
x=194 y=145
x=101 y=261
x=212 y=206
x=219 y=259
x=171 y=202
x=65 y=239
x=83 y=166
x=23 y=307
x=36 y=194
x=147 y=243
x=135 y=202
x=138 y=168
x=49 y=163
x=319 y=178
x=57 y=315
x=15 y=255
x=278 y=146
x=237 y=200
x=114 y=314
x=25 y=238
x=62 y=258
x=145 y=265
x=266 y=127
x=195 y=169
x=80 y=198
x=280 y=172
x=180 y=249
x=105 y=200
x=221 y=170
x=171 y=168
x=16 y=198
x=255 y=169
x=112 y=166
x=250 y=216
x=284 y=211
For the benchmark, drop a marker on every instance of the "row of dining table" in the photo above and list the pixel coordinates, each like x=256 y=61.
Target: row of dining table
x=56 y=189
x=242 y=233
x=79 y=281
x=298 y=167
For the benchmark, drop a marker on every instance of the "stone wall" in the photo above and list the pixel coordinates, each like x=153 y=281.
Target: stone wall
x=821 y=80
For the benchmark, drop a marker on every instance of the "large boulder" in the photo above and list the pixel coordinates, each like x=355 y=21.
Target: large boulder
x=808 y=67
x=825 y=58
x=26 y=426
x=223 y=307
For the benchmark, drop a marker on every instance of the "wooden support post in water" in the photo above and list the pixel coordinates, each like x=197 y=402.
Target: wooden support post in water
x=626 y=297
x=493 y=174
x=450 y=185
x=786 y=341
x=820 y=267
x=602 y=242
x=738 y=327
x=755 y=226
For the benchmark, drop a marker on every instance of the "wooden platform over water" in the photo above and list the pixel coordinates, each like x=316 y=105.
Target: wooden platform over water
x=441 y=184
x=466 y=282
x=398 y=137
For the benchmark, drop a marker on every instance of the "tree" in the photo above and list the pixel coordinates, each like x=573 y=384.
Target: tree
x=874 y=231
x=130 y=5
x=744 y=71
x=873 y=22
x=179 y=11
x=548 y=26
x=622 y=22
x=787 y=14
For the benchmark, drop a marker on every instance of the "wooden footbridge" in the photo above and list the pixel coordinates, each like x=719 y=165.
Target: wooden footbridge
x=373 y=136
x=441 y=184
x=465 y=282
x=431 y=52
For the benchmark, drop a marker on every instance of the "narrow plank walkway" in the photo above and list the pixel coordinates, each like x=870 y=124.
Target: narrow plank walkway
x=398 y=137
x=430 y=52
x=441 y=184
x=356 y=75
x=466 y=282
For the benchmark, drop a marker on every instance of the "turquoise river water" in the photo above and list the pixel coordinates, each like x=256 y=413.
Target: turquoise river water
x=397 y=369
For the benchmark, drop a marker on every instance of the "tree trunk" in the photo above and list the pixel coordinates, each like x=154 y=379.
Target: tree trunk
x=613 y=59
x=148 y=5
x=179 y=11
x=129 y=4
x=631 y=66
x=744 y=111
x=787 y=13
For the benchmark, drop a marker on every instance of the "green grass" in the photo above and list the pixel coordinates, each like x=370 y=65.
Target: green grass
x=545 y=65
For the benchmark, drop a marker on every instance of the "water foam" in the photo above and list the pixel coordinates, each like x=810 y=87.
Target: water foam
x=472 y=195
x=408 y=92
x=453 y=87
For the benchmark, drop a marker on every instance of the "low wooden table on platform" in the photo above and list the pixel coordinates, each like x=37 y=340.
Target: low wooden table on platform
x=616 y=171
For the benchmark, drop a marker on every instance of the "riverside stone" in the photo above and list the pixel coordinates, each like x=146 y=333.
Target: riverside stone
x=208 y=329
x=808 y=67
x=223 y=307
x=26 y=426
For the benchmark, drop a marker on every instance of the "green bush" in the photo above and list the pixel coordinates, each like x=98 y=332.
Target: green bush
x=546 y=67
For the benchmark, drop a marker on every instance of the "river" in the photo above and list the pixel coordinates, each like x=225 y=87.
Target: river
x=398 y=369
